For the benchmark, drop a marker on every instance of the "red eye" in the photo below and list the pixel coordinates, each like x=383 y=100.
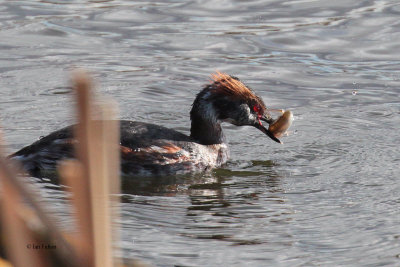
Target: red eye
x=257 y=109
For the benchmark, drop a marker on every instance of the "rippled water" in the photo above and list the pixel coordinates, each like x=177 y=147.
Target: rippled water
x=328 y=197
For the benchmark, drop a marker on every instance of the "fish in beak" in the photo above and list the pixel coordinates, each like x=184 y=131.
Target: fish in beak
x=277 y=128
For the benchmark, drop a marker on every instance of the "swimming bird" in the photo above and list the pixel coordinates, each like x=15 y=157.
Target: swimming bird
x=151 y=150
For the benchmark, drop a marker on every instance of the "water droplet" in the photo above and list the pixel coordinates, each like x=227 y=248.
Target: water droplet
x=354 y=92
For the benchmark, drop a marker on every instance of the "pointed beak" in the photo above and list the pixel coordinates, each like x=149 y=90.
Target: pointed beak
x=265 y=130
x=268 y=119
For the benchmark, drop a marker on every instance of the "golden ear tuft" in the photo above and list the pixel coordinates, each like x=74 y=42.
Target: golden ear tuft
x=225 y=84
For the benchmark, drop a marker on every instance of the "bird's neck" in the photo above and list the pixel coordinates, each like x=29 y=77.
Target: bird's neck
x=206 y=128
x=206 y=132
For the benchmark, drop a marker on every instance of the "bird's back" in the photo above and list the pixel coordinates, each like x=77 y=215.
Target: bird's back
x=146 y=149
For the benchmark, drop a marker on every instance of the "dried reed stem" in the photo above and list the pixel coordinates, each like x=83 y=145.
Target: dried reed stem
x=94 y=183
x=98 y=175
x=14 y=191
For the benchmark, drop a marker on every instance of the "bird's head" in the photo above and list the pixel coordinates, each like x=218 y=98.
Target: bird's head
x=227 y=99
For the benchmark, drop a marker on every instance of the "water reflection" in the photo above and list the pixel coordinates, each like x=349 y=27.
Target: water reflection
x=217 y=205
x=214 y=180
x=309 y=205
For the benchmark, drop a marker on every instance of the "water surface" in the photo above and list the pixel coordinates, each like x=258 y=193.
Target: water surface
x=328 y=197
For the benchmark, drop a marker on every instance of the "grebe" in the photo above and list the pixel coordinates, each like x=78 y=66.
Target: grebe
x=148 y=149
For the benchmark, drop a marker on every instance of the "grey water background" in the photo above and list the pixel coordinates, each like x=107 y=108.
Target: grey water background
x=328 y=197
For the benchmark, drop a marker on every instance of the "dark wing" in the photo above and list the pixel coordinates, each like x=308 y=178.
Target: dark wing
x=47 y=151
x=144 y=147
x=139 y=134
x=148 y=149
x=162 y=157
